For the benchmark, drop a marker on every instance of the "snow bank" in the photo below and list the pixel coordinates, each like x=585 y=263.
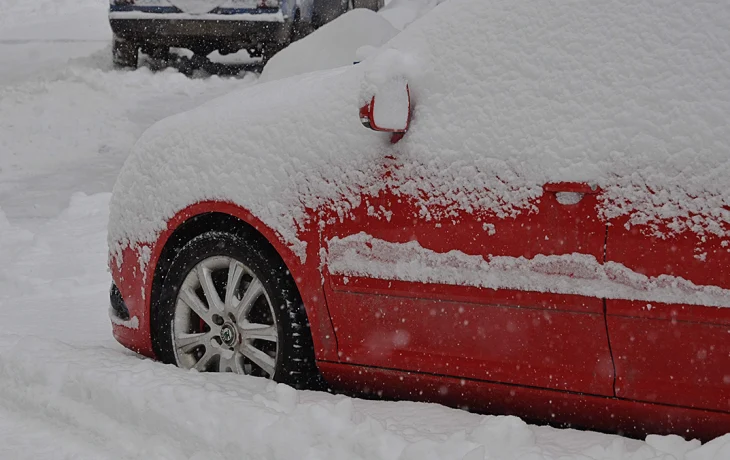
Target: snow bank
x=336 y=44
x=13 y=240
x=90 y=113
x=578 y=274
x=628 y=95
x=53 y=275
x=333 y=45
x=132 y=408
x=14 y=12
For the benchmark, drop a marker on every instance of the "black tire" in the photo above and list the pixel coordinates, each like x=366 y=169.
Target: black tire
x=328 y=10
x=125 y=54
x=279 y=40
x=301 y=29
x=270 y=49
x=295 y=363
x=374 y=5
x=158 y=52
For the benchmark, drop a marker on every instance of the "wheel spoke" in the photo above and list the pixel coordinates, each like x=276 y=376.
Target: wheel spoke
x=232 y=362
x=204 y=361
x=254 y=290
x=211 y=295
x=191 y=299
x=235 y=272
x=188 y=342
x=229 y=342
x=253 y=331
x=261 y=359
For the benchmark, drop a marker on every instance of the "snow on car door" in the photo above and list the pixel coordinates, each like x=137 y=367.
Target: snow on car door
x=471 y=295
x=672 y=344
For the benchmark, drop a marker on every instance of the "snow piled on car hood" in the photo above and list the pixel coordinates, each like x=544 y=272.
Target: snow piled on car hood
x=332 y=45
x=273 y=149
x=632 y=96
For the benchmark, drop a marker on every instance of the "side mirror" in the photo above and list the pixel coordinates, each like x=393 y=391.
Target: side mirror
x=389 y=110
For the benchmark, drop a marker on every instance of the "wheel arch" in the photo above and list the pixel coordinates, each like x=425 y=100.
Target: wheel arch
x=210 y=216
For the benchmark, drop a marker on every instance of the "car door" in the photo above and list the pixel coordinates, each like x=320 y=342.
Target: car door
x=672 y=344
x=414 y=286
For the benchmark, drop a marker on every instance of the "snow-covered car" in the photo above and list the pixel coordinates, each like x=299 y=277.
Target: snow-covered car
x=262 y=27
x=537 y=223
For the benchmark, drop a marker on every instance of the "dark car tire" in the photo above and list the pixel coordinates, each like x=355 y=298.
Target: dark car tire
x=301 y=29
x=279 y=40
x=374 y=5
x=294 y=362
x=329 y=10
x=125 y=54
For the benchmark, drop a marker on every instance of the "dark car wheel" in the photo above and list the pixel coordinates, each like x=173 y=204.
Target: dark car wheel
x=229 y=305
x=301 y=29
x=125 y=54
x=374 y=5
x=329 y=10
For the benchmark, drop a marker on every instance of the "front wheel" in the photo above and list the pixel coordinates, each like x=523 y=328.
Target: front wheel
x=230 y=305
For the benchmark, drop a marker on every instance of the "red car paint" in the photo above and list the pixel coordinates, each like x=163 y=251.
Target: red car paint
x=694 y=340
x=613 y=365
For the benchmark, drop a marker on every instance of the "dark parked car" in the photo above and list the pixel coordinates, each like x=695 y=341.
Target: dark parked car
x=262 y=27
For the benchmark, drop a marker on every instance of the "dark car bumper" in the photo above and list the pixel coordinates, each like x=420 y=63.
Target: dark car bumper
x=173 y=28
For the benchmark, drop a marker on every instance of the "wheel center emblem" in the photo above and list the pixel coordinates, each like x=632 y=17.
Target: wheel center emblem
x=228 y=335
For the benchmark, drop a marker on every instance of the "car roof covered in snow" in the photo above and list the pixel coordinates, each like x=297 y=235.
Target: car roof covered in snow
x=629 y=95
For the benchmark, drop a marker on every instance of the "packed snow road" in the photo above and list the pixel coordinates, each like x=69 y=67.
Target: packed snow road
x=67 y=390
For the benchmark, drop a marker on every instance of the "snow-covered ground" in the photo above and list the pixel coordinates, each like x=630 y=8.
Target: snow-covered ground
x=67 y=390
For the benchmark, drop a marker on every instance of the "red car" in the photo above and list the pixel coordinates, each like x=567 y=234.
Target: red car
x=536 y=223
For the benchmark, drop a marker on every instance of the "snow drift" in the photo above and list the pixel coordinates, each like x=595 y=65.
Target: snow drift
x=333 y=45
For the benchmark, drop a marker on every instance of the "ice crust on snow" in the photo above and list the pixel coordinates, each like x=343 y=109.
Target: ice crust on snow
x=578 y=274
x=629 y=95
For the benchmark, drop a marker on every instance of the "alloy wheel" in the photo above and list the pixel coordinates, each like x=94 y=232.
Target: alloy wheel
x=224 y=320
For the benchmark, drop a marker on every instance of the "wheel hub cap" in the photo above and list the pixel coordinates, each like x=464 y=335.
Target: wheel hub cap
x=228 y=335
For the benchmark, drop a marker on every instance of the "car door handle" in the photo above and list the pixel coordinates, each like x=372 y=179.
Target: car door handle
x=570 y=193
x=571 y=187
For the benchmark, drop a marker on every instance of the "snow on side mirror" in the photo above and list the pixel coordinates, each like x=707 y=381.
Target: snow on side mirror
x=389 y=110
